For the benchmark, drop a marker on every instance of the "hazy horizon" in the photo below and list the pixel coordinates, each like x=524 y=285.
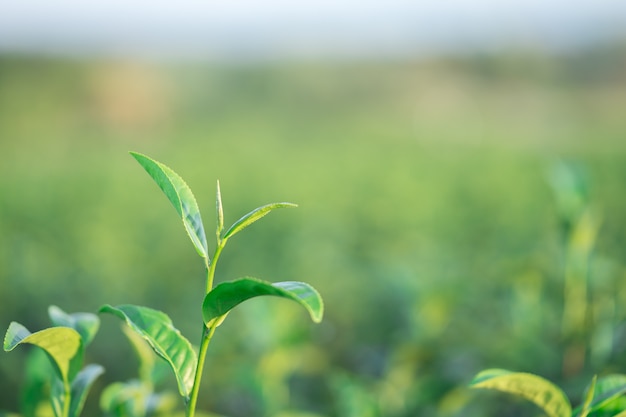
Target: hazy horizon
x=244 y=29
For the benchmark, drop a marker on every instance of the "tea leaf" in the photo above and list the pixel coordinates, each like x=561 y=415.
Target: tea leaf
x=58 y=396
x=181 y=197
x=157 y=329
x=606 y=389
x=540 y=391
x=135 y=399
x=253 y=216
x=124 y=399
x=227 y=295
x=86 y=324
x=38 y=369
x=144 y=352
x=62 y=344
x=80 y=387
x=588 y=396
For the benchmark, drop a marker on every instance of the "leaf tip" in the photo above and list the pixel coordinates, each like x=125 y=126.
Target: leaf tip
x=8 y=339
x=106 y=308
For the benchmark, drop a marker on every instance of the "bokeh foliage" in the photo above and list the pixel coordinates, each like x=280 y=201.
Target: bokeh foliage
x=436 y=216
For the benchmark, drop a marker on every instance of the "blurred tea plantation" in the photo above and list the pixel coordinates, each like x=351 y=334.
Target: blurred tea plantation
x=455 y=214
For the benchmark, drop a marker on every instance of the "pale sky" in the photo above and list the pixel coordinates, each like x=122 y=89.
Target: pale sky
x=277 y=28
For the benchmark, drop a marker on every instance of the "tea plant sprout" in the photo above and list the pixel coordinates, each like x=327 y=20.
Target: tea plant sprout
x=64 y=344
x=157 y=329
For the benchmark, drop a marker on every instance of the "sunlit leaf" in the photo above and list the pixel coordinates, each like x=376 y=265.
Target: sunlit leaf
x=62 y=344
x=224 y=297
x=80 y=387
x=157 y=329
x=538 y=390
x=606 y=389
x=181 y=197
x=86 y=324
x=253 y=216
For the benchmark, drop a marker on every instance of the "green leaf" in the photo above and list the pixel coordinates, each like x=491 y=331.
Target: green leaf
x=540 y=391
x=37 y=371
x=135 y=399
x=144 y=352
x=124 y=399
x=62 y=344
x=86 y=324
x=57 y=396
x=224 y=297
x=588 y=396
x=80 y=387
x=181 y=197
x=622 y=414
x=253 y=216
x=606 y=390
x=157 y=329
x=151 y=370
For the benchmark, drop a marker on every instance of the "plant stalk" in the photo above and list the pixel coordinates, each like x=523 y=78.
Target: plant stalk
x=207 y=335
x=67 y=400
x=216 y=256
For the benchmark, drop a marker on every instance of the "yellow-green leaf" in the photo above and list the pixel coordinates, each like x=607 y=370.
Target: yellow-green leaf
x=534 y=388
x=62 y=344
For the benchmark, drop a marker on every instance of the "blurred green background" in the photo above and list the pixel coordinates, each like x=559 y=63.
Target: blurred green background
x=455 y=214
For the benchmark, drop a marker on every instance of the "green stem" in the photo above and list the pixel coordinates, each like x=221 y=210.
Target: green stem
x=67 y=399
x=207 y=335
x=211 y=273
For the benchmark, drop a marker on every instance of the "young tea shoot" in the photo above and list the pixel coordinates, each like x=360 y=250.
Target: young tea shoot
x=157 y=329
x=63 y=386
